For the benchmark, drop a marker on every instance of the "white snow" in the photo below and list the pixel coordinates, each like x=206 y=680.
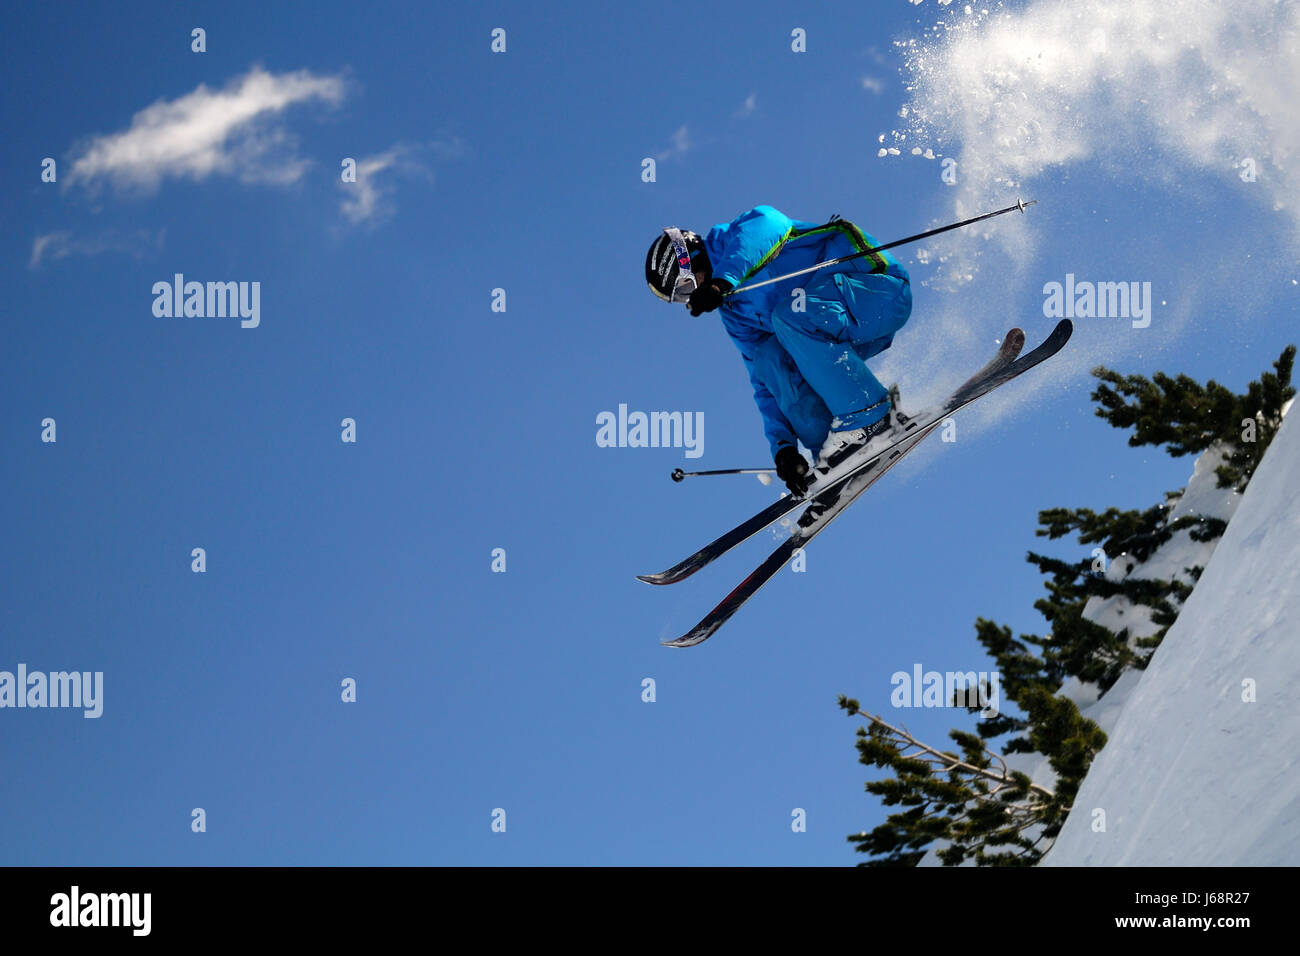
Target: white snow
x=1040 y=84
x=1199 y=684
x=1172 y=560
x=1201 y=767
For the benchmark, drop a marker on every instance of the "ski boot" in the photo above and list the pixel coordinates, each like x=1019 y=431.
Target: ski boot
x=840 y=446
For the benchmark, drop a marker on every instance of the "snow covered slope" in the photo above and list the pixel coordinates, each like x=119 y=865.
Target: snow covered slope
x=1173 y=560
x=1196 y=771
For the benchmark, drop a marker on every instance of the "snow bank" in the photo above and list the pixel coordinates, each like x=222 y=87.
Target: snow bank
x=1204 y=754
x=1171 y=561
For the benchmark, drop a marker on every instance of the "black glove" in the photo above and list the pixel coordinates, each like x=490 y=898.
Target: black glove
x=708 y=297
x=792 y=468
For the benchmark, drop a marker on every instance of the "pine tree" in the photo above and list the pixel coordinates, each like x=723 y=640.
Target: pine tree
x=1187 y=417
x=987 y=812
x=969 y=800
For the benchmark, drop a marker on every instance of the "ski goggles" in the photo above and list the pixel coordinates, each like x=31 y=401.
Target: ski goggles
x=685 y=283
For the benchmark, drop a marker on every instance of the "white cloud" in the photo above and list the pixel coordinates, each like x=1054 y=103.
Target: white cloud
x=362 y=201
x=229 y=132
x=681 y=144
x=60 y=245
x=874 y=84
x=747 y=108
x=369 y=199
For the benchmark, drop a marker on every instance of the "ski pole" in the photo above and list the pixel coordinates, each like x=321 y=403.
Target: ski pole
x=678 y=474
x=1020 y=204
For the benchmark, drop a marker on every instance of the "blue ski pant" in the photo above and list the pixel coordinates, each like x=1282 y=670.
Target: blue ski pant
x=847 y=318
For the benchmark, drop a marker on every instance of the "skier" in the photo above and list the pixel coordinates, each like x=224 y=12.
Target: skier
x=805 y=340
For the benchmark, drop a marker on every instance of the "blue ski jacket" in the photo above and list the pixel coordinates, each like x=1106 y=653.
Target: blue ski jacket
x=763 y=243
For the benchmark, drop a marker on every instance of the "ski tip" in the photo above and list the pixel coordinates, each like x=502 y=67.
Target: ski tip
x=698 y=634
x=671 y=576
x=684 y=641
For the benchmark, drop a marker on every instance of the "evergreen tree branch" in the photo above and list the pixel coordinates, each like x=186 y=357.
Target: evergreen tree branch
x=949 y=762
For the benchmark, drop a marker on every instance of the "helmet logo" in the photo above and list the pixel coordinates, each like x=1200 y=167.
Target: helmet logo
x=669 y=271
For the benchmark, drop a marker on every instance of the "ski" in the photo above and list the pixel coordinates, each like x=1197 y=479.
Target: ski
x=1011 y=345
x=861 y=476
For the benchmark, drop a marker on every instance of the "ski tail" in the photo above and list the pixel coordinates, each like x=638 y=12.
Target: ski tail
x=720 y=546
x=1006 y=356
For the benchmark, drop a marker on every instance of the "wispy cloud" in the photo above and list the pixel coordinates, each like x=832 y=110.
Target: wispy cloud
x=229 y=132
x=681 y=145
x=876 y=57
x=748 y=107
x=369 y=198
x=874 y=84
x=59 y=245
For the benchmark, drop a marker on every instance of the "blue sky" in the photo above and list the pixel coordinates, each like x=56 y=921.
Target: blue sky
x=476 y=428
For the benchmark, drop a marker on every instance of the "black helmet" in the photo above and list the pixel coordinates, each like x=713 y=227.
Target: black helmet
x=664 y=261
